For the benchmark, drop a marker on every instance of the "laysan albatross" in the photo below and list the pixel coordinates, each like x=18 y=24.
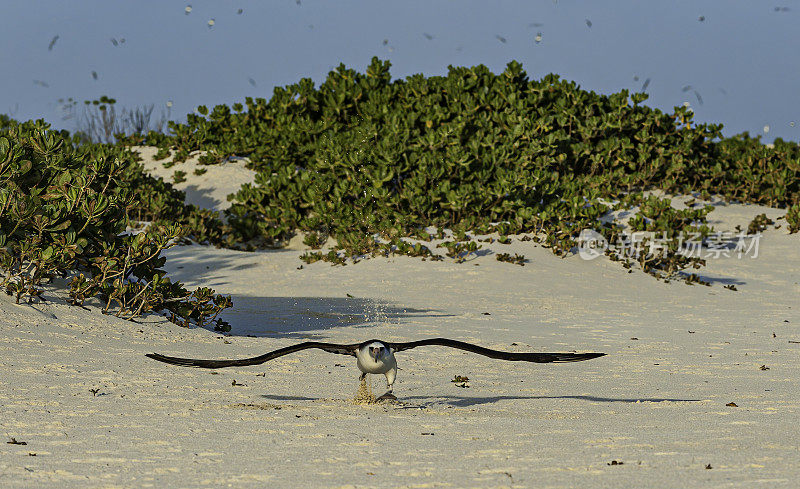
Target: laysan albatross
x=377 y=357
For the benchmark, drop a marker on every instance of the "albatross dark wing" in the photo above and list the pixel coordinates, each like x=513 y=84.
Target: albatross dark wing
x=500 y=355
x=191 y=362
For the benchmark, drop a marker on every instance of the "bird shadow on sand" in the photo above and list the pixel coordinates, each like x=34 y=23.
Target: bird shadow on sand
x=311 y=317
x=275 y=397
x=462 y=401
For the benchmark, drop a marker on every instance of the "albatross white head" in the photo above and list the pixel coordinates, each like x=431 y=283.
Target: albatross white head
x=375 y=357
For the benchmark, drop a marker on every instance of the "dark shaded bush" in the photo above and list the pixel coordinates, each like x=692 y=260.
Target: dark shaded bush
x=64 y=209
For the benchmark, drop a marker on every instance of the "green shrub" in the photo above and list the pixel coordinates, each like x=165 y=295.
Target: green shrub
x=516 y=259
x=363 y=157
x=64 y=210
x=793 y=218
x=759 y=223
x=459 y=251
x=367 y=159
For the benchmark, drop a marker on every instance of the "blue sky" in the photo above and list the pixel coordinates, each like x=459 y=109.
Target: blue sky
x=741 y=58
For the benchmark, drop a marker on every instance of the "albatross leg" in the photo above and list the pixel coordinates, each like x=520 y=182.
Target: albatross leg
x=390 y=376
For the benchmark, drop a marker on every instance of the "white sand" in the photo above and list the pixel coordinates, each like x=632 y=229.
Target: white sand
x=657 y=403
x=209 y=190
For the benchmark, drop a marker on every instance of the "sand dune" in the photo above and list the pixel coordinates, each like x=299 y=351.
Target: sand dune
x=95 y=412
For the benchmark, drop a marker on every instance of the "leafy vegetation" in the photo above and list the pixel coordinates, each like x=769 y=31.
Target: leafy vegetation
x=759 y=223
x=64 y=212
x=368 y=160
x=179 y=176
x=793 y=218
x=517 y=259
x=375 y=163
x=459 y=251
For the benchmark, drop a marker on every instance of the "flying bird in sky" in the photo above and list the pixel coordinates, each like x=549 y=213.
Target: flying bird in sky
x=52 y=43
x=377 y=357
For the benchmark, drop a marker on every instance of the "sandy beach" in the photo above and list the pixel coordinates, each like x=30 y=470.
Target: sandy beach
x=93 y=411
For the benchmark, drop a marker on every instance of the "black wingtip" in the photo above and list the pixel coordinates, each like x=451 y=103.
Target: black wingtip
x=198 y=363
x=577 y=357
x=184 y=362
x=589 y=356
x=157 y=356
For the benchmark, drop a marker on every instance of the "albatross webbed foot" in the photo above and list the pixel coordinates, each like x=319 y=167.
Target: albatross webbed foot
x=387 y=397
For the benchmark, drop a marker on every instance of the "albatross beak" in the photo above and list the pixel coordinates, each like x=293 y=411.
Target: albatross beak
x=375 y=352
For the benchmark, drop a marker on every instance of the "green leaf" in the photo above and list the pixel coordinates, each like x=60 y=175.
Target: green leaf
x=47 y=253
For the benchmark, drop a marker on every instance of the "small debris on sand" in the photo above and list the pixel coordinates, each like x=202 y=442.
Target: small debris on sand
x=259 y=407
